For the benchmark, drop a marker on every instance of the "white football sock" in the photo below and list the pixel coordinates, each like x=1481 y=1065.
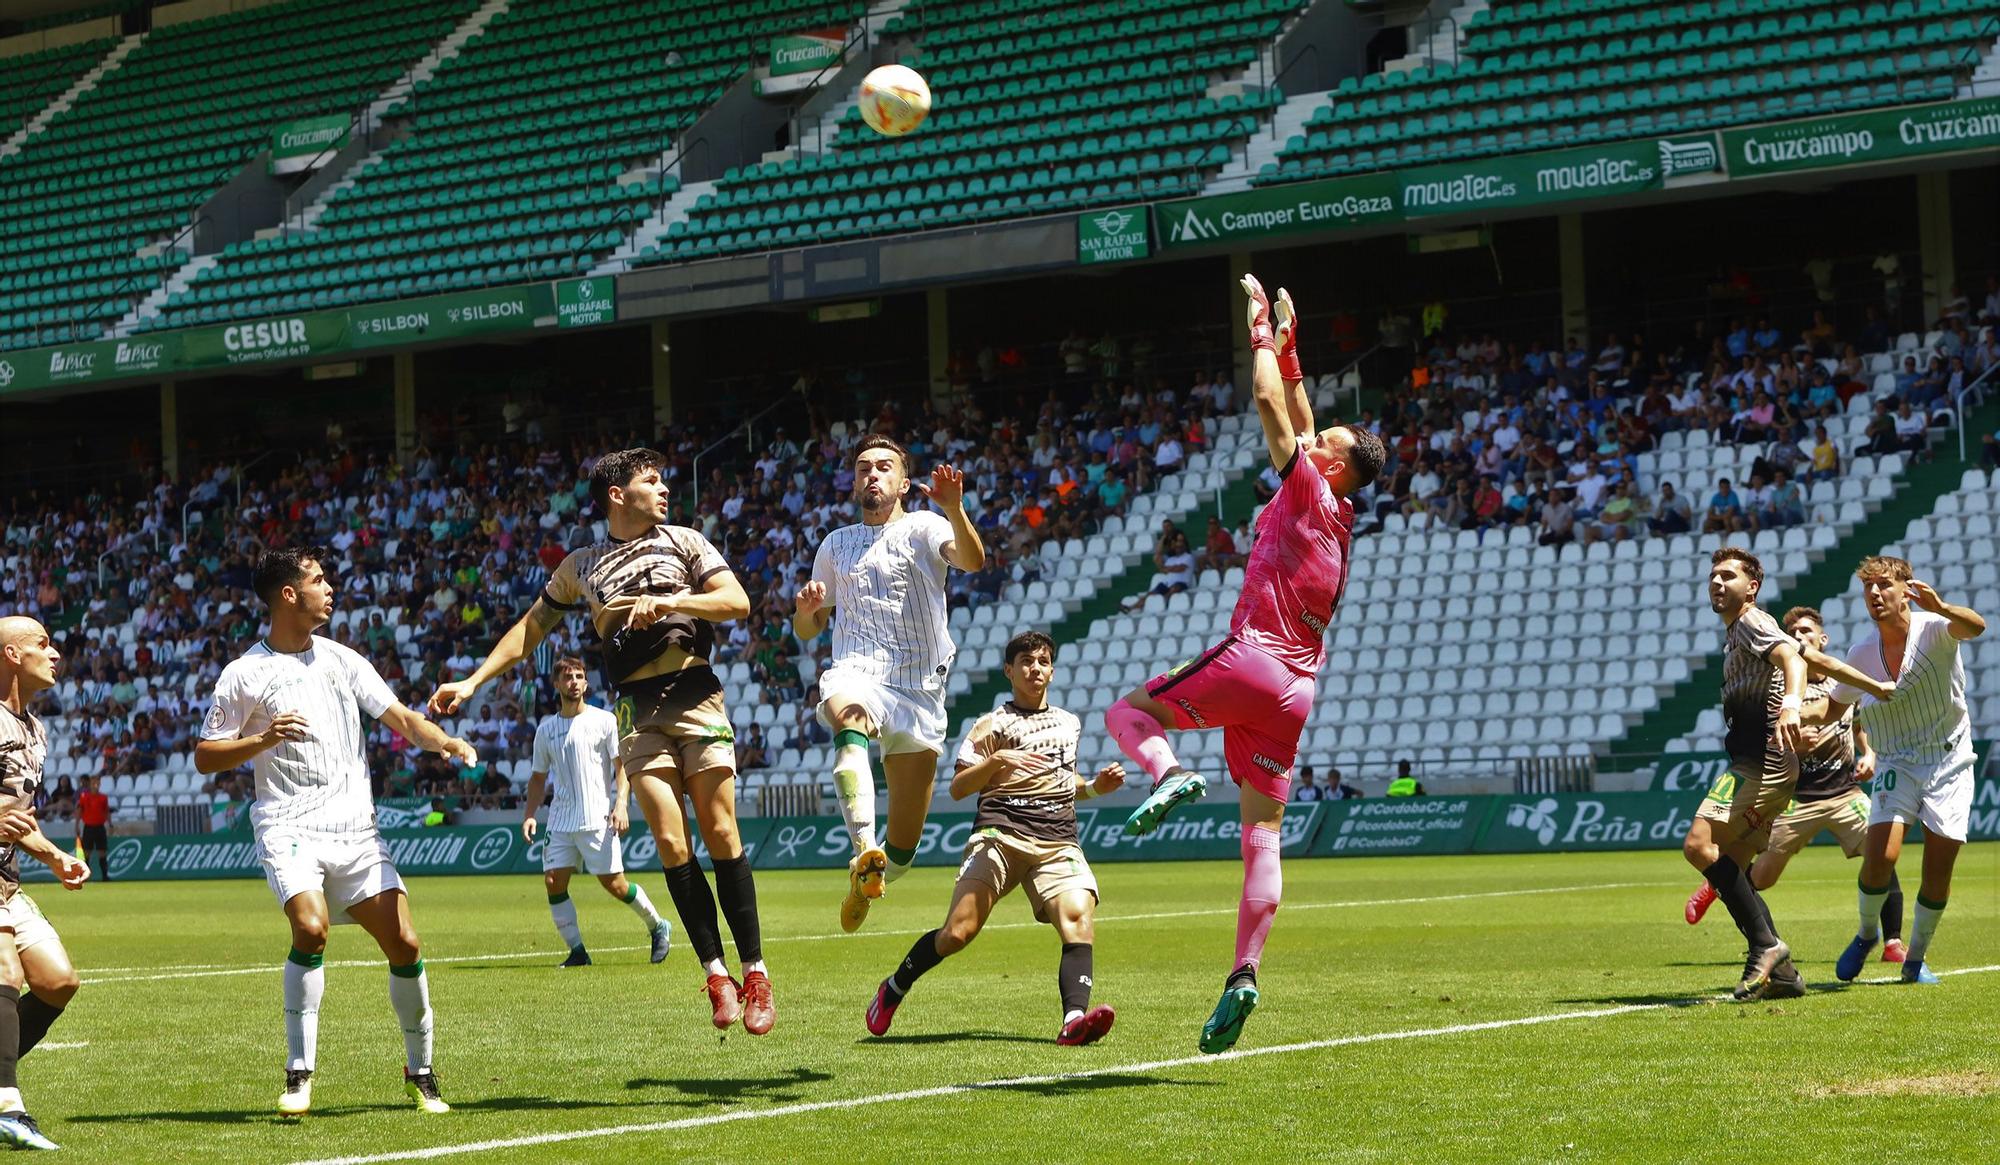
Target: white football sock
x=642 y=906
x=410 y=995
x=304 y=987
x=564 y=913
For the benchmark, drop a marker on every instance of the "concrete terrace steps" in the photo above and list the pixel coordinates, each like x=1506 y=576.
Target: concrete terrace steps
x=68 y=98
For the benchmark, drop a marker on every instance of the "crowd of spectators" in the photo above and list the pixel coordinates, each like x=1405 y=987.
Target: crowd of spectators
x=1487 y=435
x=459 y=539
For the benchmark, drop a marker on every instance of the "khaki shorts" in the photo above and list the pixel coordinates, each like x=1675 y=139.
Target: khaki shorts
x=1845 y=816
x=1045 y=870
x=1750 y=800
x=24 y=918
x=674 y=723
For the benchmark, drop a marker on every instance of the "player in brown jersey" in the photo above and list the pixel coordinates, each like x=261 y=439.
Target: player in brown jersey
x=654 y=593
x=29 y=948
x=1021 y=760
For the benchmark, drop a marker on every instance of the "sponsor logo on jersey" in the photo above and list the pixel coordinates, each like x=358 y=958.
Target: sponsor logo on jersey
x=1194 y=714
x=1313 y=621
x=1267 y=764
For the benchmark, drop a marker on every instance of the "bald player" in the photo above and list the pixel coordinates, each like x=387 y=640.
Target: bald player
x=30 y=952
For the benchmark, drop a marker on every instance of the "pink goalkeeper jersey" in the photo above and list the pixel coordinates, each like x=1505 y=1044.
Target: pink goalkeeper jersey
x=1297 y=570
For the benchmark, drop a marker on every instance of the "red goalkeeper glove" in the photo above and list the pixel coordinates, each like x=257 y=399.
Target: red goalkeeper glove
x=1286 y=326
x=1261 y=333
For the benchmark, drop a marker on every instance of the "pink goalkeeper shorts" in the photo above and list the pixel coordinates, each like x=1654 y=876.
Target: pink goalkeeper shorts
x=1260 y=704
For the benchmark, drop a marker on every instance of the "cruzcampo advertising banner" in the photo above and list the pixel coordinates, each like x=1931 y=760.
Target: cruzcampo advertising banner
x=1855 y=138
x=806 y=53
x=1407 y=195
x=308 y=144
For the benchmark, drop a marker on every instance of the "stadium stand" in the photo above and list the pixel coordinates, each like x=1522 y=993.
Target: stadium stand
x=151 y=611
x=42 y=77
x=527 y=158
x=1534 y=75
x=1043 y=106
x=123 y=169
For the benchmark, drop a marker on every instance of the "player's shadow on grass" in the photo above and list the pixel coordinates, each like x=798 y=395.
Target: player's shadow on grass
x=1679 y=999
x=1078 y=1084
x=327 y=1112
x=701 y=1091
x=954 y=1038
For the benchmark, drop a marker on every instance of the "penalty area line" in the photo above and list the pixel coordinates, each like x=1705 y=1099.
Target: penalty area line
x=723 y=1118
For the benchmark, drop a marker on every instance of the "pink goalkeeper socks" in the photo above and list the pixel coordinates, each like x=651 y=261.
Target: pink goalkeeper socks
x=1263 y=885
x=1140 y=738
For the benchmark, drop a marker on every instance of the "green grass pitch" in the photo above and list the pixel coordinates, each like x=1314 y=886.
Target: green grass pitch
x=173 y=1051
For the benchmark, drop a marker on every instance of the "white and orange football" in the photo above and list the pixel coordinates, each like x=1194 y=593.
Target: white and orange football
x=894 y=100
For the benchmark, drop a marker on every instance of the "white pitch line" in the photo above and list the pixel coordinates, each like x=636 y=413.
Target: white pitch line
x=207 y=971
x=732 y=1117
x=61 y=1046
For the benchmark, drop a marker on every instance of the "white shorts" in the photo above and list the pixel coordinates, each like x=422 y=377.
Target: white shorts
x=347 y=869
x=594 y=851
x=1939 y=796
x=24 y=918
x=906 y=719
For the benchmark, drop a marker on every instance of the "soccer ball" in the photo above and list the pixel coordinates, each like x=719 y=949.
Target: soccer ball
x=894 y=100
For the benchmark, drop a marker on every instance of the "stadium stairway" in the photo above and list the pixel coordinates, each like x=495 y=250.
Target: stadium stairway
x=53 y=66
x=176 y=286
x=109 y=181
x=1445 y=39
x=652 y=234
x=1923 y=484
x=1044 y=107
x=527 y=158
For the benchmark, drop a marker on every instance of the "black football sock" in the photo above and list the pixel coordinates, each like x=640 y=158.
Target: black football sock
x=1073 y=980
x=922 y=957
x=692 y=901
x=37 y=1014
x=1892 y=910
x=10 y=1034
x=1736 y=893
x=738 y=892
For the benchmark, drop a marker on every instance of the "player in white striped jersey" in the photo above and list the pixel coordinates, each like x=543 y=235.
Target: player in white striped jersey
x=881 y=583
x=1021 y=760
x=654 y=593
x=577 y=746
x=1923 y=748
x=29 y=948
x=291 y=708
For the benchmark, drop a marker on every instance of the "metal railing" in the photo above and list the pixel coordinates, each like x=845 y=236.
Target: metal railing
x=862 y=39
x=743 y=427
x=1969 y=392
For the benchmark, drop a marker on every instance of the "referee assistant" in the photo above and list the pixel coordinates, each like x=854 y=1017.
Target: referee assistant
x=93 y=810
